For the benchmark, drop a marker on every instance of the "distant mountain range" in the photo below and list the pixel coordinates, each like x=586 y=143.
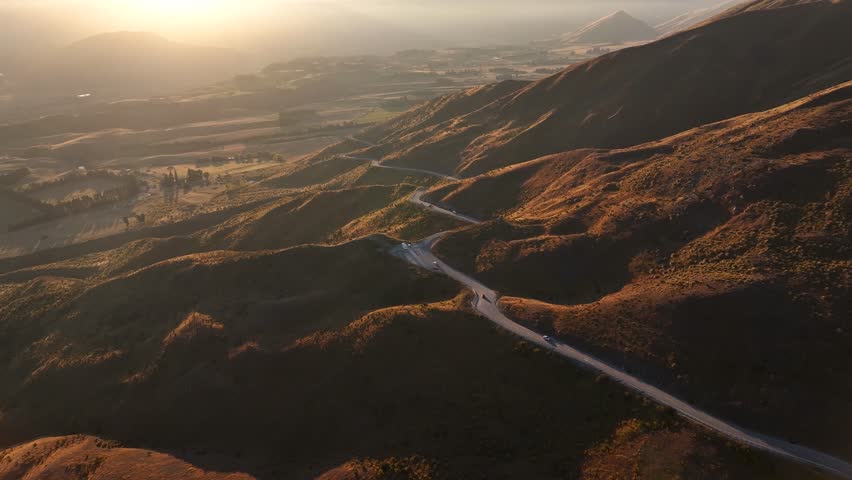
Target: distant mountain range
x=635 y=95
x=618 y=27
x=124 y=64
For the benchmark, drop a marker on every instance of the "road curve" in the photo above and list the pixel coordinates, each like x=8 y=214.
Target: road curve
x=417 y=199
x=376 y=164
x=362 y=142
x=486 y=302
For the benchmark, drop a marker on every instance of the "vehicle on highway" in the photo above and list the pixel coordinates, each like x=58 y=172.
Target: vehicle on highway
x=549 y=339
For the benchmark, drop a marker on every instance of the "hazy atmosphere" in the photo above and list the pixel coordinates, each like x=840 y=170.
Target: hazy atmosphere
x=286 y=28
x=425 y=240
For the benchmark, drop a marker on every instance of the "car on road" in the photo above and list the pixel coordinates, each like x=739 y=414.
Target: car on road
x=549 y=339
x=405 y=246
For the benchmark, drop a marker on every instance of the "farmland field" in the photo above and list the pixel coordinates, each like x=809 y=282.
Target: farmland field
x=13 y=210
x=74 y=189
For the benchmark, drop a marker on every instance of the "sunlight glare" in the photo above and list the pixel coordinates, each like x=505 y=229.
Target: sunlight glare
x=173 y=12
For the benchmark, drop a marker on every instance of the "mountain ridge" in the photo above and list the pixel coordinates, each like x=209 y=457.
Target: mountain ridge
x=617 y=27
x=123 y=64
x=638 y=94
x=641 y=254
x=695 y=17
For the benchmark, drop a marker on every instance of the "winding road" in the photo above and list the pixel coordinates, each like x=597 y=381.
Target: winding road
x=486 y=302
x=376 y=164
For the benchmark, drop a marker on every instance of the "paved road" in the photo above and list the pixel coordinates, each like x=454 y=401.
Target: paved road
x=486 y=302
x=417 y=199
x=417 y=170
x=375 y=163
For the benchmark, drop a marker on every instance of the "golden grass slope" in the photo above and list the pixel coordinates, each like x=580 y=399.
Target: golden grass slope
x=303 y=219
x=276 y=219
x=716 y=261
x=742 y=63
x=409 y=391
x=83 y=457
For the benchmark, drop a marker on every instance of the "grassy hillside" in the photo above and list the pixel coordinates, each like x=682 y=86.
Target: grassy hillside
x=303 y=219
x=618 y=27
x=402 y=220
x=748 y=61
x=289 y=218
x=733 y=237
x=79 y=456
x=680 y=209
x=105 y=334
x=411 y=392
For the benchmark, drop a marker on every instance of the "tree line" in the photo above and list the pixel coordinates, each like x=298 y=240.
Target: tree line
x=128 y=187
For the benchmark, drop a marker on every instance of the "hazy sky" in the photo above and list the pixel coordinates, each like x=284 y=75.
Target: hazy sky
x=315 y=26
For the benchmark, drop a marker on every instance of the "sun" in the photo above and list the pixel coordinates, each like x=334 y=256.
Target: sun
x=207 y=21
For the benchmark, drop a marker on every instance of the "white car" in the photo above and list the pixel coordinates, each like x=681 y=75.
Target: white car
x=548 y=339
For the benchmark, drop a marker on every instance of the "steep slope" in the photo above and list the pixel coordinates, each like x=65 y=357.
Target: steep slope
x=617 y=27
x=327 y=216
x=285 y=219
x=737 y=231
x=745 y=62
x=77 y=457
x=446 y=108
x=758 y=5
x=109 y=330
x=429 y=391
x=301 y=219
x=694 y=17
x=433 y=124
